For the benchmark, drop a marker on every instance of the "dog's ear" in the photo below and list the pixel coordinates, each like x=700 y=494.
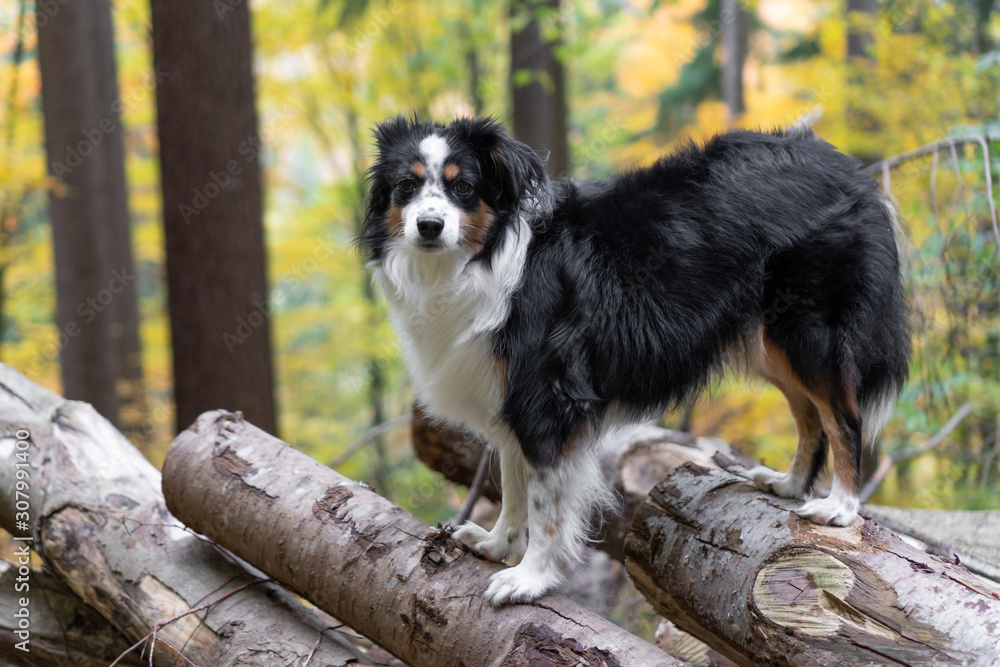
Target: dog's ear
x=374 y=233
x=390 y=132
x=515 y=170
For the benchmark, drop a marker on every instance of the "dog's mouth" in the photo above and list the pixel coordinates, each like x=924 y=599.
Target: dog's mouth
x=429 y=246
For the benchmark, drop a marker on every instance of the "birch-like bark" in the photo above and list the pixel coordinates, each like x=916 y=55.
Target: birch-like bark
x=385 y=573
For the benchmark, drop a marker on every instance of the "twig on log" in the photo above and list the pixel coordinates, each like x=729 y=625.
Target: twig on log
x=98 y=521
x=890 y=460
x=368 y=436
x=476 y=489
x=736 y=568
x=151 y=636
x=388 y=575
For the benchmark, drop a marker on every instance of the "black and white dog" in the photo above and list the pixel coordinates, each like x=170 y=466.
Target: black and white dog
x=548 y=316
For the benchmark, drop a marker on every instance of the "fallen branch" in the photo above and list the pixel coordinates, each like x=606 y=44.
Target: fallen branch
x=950 y=142
x=388 y=575
x=737 y=569
x=96 y=516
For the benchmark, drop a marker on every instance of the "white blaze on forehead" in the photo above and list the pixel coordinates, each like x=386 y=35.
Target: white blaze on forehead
x=434 y=149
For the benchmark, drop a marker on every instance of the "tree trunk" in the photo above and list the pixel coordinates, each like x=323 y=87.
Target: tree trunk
x=95 y=515
x=209 y=149
x=734 y=567
x=96 y=308
x=388 y=575
x=734 y=41
x=538 y=84
x=860 y=27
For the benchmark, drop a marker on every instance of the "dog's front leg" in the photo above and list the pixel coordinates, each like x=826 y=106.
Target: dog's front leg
x=560 y=501
x=509 y=537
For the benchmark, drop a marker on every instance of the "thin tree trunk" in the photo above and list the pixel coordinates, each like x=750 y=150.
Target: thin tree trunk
x=387 y=574
x=209 y=156
x=735 y=568
x=538 y=85
x=860 y=27
x=734 y=41
x=95 y=514
x=96 y=309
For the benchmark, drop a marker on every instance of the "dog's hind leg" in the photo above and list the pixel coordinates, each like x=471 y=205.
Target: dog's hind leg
x=810 y=454
x=509 y=537
x=561 y=499
x=839 y=414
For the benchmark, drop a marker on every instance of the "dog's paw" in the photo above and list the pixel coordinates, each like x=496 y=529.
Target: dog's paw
x=784 y=485
x=519 y=585
x=495 y=545
x=830 y=511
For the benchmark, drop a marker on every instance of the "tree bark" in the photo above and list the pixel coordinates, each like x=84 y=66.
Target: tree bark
x=971 y=537
x=209 y=148
x=538 y=85
x=63 y=629
x=96 y=305
x=388 y=575
x=734 y=567
x=96 y=516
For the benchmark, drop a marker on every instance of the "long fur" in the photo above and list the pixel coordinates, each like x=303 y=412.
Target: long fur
x=552 y=313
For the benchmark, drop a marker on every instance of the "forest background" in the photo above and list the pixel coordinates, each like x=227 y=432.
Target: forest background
x=641 y=77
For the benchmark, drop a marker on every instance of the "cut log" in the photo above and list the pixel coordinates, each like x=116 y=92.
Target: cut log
x=388 y=575
x=93 y=510
x=972 y=537
x=736 y=568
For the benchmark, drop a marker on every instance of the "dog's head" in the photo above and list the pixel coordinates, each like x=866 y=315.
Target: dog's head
x=436 y=188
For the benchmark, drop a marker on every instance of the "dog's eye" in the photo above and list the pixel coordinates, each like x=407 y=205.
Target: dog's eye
x=407 y=185
x=463 y=187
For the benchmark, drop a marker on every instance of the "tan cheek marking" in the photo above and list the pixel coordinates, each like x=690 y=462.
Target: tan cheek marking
x=452 y=171
x=418 y=169
x=394 y=218
x=475 y=225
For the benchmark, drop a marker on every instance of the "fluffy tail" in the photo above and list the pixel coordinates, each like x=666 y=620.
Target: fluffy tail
x=883 y=359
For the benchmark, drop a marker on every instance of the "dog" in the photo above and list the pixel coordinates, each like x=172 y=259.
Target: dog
x=548 y=316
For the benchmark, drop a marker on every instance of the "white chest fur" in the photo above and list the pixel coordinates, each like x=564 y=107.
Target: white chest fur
x=446 y=311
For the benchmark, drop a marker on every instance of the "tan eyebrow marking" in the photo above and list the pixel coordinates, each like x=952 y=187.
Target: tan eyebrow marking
x=451 y=171
x=418 y=169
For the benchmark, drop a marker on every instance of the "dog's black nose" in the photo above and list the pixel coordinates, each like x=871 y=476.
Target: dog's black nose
x=430 y=228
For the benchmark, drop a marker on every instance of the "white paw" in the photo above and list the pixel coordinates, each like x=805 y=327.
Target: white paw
x=783 y=485
x=496 y=545
x=519 y=585
x=830 y=511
